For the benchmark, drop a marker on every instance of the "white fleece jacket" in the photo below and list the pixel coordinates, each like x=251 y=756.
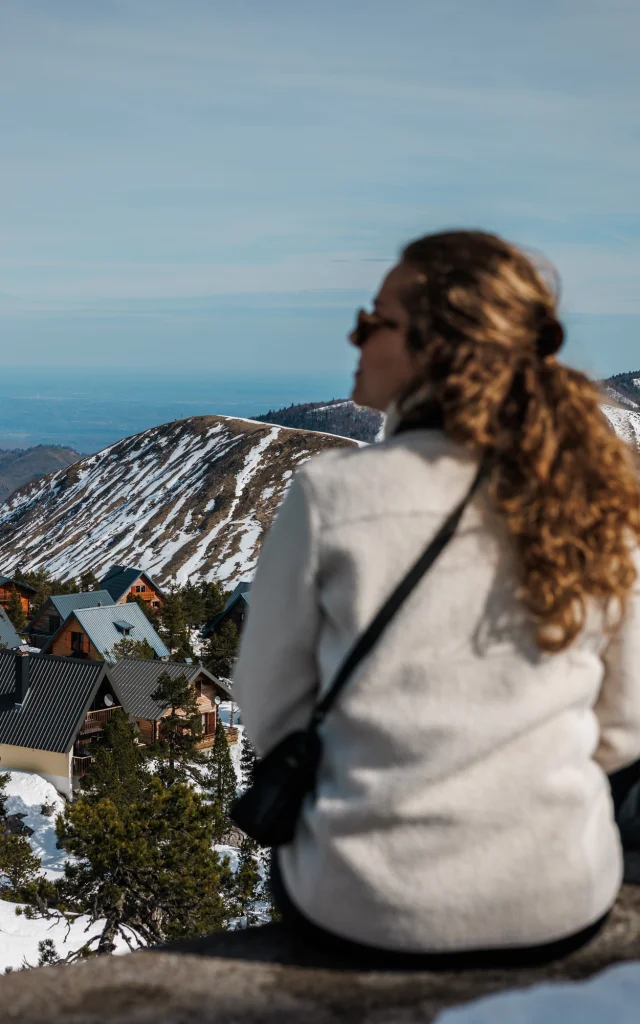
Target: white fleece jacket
x=462 y=801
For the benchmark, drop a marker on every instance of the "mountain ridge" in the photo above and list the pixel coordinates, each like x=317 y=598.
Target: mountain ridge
x=187 y=498
x=194 y=497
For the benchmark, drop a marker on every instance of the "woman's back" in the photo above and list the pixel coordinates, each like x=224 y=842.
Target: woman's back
x=458 y=805
x=462 y=801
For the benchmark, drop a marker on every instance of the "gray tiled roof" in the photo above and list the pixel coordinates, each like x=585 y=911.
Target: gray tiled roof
x=64 y=604
x=8 y=634
x=60 y=693
x=67 y=603
x=100 y=626
x=120 y=578
x=137 y=678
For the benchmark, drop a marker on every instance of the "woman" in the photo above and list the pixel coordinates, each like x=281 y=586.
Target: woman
x=462 y=814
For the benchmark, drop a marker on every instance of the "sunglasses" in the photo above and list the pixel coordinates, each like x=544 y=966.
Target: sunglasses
x=367 y=324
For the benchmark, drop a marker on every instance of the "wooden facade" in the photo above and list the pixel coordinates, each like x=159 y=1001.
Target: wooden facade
x=24 y=593
x=93 y=724
x=73 y=642
x=151 y=729
x=143 y=589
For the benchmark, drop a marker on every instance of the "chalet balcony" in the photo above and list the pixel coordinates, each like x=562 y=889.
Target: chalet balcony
x=96 y=720
x=80 y=765
x=206 y=740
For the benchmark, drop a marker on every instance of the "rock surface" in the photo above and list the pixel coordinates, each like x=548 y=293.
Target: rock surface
x=261 y=977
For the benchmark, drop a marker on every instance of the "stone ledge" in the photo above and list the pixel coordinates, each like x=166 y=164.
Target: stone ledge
x=260 y=976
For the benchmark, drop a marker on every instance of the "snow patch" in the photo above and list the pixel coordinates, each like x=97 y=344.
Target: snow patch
x=26 y=794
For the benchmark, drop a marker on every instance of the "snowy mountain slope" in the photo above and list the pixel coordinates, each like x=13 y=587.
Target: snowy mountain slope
x=186 y=498
x=624 y=389
x=626 y=424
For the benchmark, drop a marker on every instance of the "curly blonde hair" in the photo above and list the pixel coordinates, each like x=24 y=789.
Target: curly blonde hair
x=565 y=485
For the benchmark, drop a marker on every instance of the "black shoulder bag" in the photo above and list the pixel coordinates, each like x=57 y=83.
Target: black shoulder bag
x=269 y=810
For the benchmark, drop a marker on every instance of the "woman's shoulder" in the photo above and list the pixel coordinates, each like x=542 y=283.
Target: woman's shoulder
x=352 y=480
x=367 y=458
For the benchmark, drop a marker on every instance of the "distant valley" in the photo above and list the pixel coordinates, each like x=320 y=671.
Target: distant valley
x=20 y=465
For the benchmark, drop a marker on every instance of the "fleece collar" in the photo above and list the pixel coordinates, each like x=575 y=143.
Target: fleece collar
x=418 y=410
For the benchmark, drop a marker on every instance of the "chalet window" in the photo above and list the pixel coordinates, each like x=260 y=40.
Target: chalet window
x=77 y=642
x=141 y=589
x=54 y=624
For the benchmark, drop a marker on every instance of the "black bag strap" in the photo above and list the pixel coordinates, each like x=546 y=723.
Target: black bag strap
x=393 y=603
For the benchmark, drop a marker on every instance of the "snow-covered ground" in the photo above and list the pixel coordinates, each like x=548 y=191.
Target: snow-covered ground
x=27 y=794
x=626 y=424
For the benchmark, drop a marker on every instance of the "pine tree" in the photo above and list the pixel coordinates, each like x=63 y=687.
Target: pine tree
x=180 y=730
x=193 y=604
x=247 y=881
x=221 y=650
x=265 y=891
x=248 y=761
x=4 y=782
x=150 y=612
x=15 y=611
x=220 y=782
x=89 y=582
x=119 y=769
x=45 y=585
x=173 y=628
x=47 y=953
x=214 y=599
x=147 y=869
x=129 y=648
x=18 y=863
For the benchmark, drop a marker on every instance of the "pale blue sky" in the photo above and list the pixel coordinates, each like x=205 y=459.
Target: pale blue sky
x=216 y=186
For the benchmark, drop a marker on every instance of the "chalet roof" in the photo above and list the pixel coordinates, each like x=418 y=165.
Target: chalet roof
x=120 y=578
x=137 y=678
x=64 y=604
x=60 y=693
x=241 y=593
x=100 y=625
x=242 y=590
x=8 y=579
x=8 y=634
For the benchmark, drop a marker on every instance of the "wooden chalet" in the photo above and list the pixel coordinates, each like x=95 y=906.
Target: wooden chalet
x=24 y=591
x=50 y=711
x=125 y=582
x=92 y=633
x=49 y=618
x=235 y=610
x=137 y=679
